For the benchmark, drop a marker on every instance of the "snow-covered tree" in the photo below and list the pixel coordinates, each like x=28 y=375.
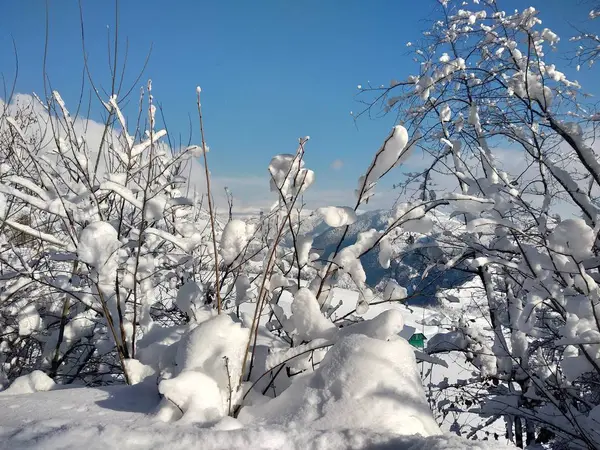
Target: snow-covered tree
x=509 y=140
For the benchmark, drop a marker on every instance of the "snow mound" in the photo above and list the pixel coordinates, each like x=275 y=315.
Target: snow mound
x=374 y=392
x=207 y=368
x=383 y=326
x=194 y=393
x=362 y=383
x=27 y=384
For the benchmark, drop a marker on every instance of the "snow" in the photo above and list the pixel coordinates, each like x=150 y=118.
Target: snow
x=35 y=381
x=423 y=86
x=189 y=297
x=122 y=417
x=303 y=247
x=350 y=378
x=197 y=395
x=366 y=393
x=28 y=319
x=309 y=323
x=362 y=383
x=155 y=208
x=137 y=371
x=206 y=371
x=445 y=342
x=474 y=118
x=562 y=240
x=469 y=204
x=337 y=216
x=242 y=285
x=445 y=113
x=393 y=152
x=98 y=244
x=393 y=291
x=234 y=239
x=288 y=175
x=385 y=252
x=551 y=37
x=197 y=150
x=384 y=326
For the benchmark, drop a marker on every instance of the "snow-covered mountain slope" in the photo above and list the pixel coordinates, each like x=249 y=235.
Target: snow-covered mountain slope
x=409 y=267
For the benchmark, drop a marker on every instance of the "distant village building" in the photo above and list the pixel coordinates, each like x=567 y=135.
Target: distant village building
x=413 y=337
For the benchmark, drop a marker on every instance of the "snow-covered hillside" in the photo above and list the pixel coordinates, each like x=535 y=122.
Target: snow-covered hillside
x=409 y=266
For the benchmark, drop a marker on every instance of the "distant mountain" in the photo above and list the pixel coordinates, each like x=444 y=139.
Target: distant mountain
x=407 y=269
x=311 y=223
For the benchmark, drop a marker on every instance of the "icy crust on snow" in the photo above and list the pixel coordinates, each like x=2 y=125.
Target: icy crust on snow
x=362 y=383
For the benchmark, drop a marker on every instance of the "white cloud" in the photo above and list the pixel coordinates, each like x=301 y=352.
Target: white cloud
x=250 y=192
x=337 y=164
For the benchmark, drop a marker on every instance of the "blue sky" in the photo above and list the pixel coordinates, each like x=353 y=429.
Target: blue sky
x=271 y=70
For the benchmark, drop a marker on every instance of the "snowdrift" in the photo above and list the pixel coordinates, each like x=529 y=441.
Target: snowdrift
x=366 y=393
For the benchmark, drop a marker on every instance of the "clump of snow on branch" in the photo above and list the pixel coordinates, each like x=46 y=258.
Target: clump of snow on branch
x=394 y=151
x=337 y=216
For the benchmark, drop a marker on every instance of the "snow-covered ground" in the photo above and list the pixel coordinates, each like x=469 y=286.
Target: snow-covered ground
x=120 y=417
x=366 y=393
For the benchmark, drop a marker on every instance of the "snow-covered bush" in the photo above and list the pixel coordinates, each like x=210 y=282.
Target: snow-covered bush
x=508 y=139
x=112 y=271
x=105 y=238
x=124 y=277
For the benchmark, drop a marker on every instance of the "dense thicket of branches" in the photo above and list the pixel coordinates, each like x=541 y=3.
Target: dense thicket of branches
x=489 y=90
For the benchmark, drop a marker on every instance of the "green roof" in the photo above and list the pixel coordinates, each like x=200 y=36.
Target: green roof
x=417 y=340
